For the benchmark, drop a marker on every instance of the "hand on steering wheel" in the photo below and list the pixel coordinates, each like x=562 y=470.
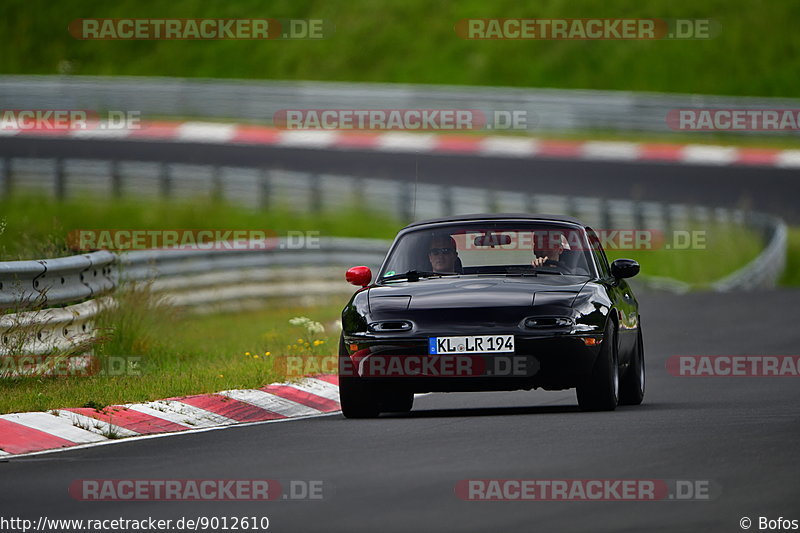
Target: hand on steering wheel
x=538 y=261
x=555 y=265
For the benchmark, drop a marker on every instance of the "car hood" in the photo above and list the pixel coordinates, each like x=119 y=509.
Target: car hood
x=475 y=292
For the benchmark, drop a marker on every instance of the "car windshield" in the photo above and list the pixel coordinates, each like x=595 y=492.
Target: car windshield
x=491 y=248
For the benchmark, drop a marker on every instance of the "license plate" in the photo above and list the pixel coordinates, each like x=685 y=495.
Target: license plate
x=472 y=344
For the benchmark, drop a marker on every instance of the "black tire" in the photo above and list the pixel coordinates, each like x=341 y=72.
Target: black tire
x=631 y=389
x=397 y=402
x=600 y=391
x=358 y=399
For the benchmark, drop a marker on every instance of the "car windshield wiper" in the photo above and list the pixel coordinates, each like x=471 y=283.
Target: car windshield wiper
x=531 y=272
x=415 y=275
x=518 y=271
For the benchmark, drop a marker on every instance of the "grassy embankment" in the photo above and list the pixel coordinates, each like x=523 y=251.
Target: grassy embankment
x=756 y=53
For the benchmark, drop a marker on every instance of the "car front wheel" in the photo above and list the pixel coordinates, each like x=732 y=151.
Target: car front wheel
x=600 y=391
x=358 y=399
x=632 y=386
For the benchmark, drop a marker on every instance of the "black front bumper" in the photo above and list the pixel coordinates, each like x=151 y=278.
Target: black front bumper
x=549 y=362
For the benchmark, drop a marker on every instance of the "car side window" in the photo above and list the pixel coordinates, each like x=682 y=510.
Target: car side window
x=598 y=253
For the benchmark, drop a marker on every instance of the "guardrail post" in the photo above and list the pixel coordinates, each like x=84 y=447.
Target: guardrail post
x=315 y=192
x=491 y=200
x=406 y=198
x=530 y=202
x=216 y=184
x=638 y=216
x=264 y=188
x=6 y=176
x=165 y=180
x=667 y=210
x=59 y=179
x=691 y=218
x=447 y=200
x=572 y=207
x=116 y=179
x=605 y=215
x=358 y=190
x=750 y=220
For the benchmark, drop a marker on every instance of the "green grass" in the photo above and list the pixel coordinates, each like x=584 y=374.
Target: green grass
x=722 y=250
x=28 y=235
x=37 y=226
x=756 y=53
x=176 y=355
x=791 y=276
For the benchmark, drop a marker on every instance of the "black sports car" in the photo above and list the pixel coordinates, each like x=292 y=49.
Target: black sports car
x=492 y=302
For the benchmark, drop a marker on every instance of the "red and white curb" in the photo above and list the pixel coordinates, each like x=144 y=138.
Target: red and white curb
x=435 y=143
x=23 y=433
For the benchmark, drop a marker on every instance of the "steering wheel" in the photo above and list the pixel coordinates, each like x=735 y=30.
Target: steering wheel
x=557 y=266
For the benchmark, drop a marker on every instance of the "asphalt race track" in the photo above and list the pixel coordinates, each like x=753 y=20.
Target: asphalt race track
x=398 y=473
x=767 y=189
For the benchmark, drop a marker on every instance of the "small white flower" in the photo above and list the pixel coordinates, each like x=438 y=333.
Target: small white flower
x=299 y=321
x=315 y=328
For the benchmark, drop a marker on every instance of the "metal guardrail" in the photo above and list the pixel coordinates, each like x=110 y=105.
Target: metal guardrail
x=767 y=268
x=303 y=192
x=47 y=330
x=50 y=282
x=202 y=280
x=249 y=100
x=211 y=280
x=142 y=265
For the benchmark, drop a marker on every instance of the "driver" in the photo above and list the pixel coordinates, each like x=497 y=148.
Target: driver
x=442 y=254
x=549 y=254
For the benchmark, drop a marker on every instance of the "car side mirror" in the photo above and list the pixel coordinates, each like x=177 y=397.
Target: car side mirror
x=624 y=268
x=359 y=276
